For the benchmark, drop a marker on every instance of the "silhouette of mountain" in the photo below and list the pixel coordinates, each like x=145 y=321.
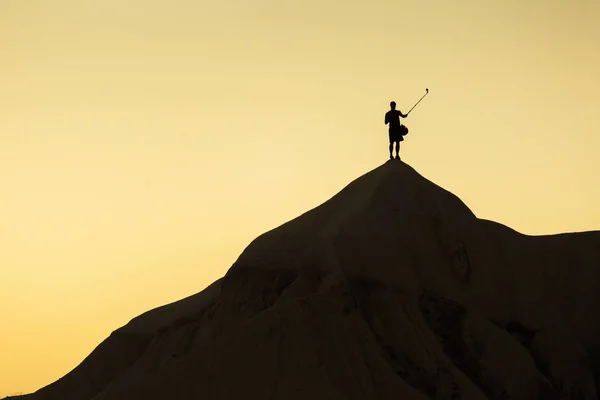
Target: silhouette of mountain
x=392 y=289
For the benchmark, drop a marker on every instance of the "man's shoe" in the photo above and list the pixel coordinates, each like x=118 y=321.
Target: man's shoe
x=397 y=157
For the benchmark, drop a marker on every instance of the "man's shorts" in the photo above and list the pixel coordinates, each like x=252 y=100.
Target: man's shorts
x=396 y=135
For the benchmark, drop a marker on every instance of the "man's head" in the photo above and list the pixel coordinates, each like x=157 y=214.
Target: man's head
x=393 y=105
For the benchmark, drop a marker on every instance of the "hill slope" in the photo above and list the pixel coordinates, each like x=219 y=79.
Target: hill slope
x=391 y=289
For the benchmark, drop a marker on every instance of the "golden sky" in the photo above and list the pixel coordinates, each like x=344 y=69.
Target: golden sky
x=144 y=144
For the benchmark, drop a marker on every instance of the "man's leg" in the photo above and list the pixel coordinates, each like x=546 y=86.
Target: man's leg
x=398 y=150
x=391 y=149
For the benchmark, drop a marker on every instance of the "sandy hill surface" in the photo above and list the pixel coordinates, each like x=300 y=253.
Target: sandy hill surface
x=392 y=289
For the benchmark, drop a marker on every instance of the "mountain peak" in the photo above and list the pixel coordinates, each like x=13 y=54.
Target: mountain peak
x=390 y=224
x=391 y=289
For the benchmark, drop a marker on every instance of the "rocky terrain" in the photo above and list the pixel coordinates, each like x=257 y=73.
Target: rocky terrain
x=392 y=289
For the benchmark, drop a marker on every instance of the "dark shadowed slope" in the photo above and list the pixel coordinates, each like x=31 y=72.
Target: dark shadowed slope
x=391 y=289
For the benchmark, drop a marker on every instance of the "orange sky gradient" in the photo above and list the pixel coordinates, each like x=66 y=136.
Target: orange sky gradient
x=144 y=144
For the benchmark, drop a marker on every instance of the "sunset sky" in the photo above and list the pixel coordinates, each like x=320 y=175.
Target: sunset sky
x=144 y=144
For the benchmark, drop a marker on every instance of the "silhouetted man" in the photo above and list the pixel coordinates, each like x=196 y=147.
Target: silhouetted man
x=392 y=117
